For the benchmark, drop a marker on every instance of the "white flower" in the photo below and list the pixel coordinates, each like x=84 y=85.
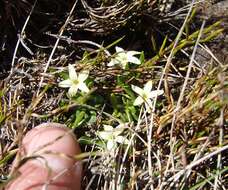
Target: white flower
x=112 y=136
x=75 y=81
x=145 y=95
x=123 y=57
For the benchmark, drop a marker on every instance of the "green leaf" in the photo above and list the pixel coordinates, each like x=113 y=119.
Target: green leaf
x=91 y=141
x=129 y=92
x=120 y=80
x=114 y=101
x=86 y=140
x=85 y=57
x=7 y=157
x=133 y=112
x=162 y=49
x=205 y=181
x=64 y=75
x=80 y=118
x=154 y=45
x=115 y=42
x=92 y=118
x=142 y=57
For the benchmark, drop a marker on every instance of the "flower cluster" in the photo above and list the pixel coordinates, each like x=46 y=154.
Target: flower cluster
x=111 y=136
x=122 y=58
x=75 y=81
x=146 y=95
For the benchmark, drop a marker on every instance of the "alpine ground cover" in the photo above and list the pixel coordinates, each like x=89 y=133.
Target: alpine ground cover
x=144 y=89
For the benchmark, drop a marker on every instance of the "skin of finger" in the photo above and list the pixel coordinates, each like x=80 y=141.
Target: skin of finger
x=33 y=177
x=55 y=145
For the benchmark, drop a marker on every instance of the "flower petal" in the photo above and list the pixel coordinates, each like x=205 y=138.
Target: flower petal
x=82 y=86
x=111 y=144
x=132 y=53
x=148 y=109
x=72 y=73
x=121 y=56
x=104 y=135
x=148 y=86
x=122 y=126
x=66 y=83
x=112 y=63
x=108 y=128
x=119 y=49
x=82 y=76
x=138 y=101
x=137 y=90
x=124 y=64
x=73 y=90
x=155 y=93
x=122 y=140
x=149 y=103
x=134 y=60
x=117 y=131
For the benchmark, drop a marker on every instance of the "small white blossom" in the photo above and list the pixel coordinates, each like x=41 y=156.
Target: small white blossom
x=146 y=95
x=75 y=81
x=112 y=136
x=123 y=57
